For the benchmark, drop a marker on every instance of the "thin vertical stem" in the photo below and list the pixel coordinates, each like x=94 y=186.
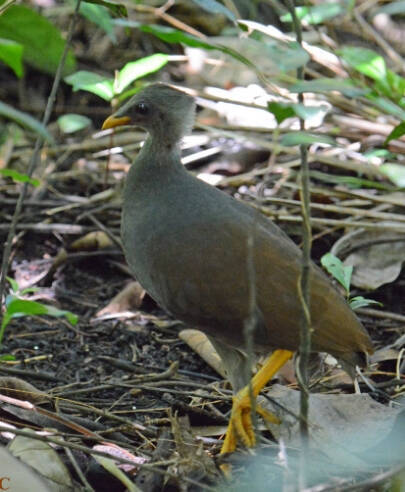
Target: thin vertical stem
x=304 y=281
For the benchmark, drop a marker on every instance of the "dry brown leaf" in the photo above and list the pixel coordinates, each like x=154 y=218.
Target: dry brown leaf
x=203 y=347
x=377 y=257
x=20 y=389
x=92 y=241
x=129 y=298
x=20 y=476
x=340 y=425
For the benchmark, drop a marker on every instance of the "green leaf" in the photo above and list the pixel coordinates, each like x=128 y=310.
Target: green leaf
x=306 y=138
x=350 y=181
x=340 y=272
x=287 y=56
x=307 y=112
x=21 y=307
x=376 y=152
x=343 y=86
x=100 y=16
x=281 y=111
x=16 y=307
x=395 y=173
x=42 y=41
x=396 y=84
x=397 y=132
x=28 y=308
x=139 y=68
x=11 y=53
x=19 y=177
x=25 y=120
x=317 y=14
x=214 y=7
x=30 y=290
x=170 y=35
x=360 y=301
x=13 y=283
x=92 y=82
x=117 y=9
x=70 y=123
x=7 y=357
x=387 y=106
x=366 y=61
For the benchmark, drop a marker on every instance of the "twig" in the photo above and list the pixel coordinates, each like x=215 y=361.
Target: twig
x=304 y=280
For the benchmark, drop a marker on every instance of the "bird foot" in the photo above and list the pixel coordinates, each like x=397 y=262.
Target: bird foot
x=240 y=424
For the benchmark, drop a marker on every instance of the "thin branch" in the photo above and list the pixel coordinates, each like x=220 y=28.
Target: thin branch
x=304 y=280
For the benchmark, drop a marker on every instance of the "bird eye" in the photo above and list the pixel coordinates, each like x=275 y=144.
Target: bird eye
x=142 y=108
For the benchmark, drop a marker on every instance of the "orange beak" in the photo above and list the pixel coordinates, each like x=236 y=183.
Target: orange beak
x=113 y=122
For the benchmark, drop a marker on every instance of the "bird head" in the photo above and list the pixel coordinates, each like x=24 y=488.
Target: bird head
x=163 y=111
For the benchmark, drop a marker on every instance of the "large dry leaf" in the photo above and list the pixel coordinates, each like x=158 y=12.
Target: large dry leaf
x=377 y=257
x=18 y=388
x=199 y=342
x=92 y=241
x=130 y=297
x=341 y=426
x=40 y=456
x=16 y=475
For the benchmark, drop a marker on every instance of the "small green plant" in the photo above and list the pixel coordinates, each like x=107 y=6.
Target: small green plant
x=16 y=307
x=110 y=88
x=343 y=274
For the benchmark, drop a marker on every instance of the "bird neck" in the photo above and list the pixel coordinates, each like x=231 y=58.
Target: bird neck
x=157 y=151
x=153 y=170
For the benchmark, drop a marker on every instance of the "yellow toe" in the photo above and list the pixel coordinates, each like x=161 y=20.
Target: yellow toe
x=240 y=424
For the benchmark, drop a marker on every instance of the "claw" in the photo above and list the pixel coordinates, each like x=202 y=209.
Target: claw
x=240 y=424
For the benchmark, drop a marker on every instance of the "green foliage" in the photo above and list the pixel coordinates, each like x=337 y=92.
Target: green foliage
x=360 y=301
x=19 y=177
x=397 y=132
x=318 y=13
x=306 y=138
x=71 y=123
x=117 y=9
x=25 y=120
x=283 y=111
x=92 y=82
x=11 y=53
x=17 y=307
x=343 y=274
x=214 y=7
x=99 y=15
x=287 y=55
x=42 y=42
x=365 y=61
x=395 y=173
x=170 y=35
x=350 y=181
x=370 y=63
x=335 y=267
x=344 y=86
x=108 y=88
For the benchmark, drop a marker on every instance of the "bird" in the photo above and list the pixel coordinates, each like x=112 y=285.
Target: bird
x=220 y=265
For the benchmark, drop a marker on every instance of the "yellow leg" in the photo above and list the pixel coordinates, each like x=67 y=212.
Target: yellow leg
x=240 y=424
